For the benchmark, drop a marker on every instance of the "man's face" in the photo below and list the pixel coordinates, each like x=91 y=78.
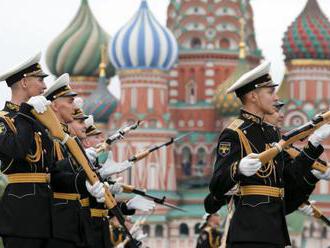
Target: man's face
x=214 y=220
x=276 y=118
x=93 y=141
x=34 y=86
x=265 y=99
x=64 y=108
x=79 y=128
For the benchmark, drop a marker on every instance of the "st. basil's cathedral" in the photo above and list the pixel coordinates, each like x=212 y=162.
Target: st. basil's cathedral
x=175 y=78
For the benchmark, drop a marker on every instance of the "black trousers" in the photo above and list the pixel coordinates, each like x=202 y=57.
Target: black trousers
x=16 y=242
x=60 y=243
x=53 y=243
x=253 y=245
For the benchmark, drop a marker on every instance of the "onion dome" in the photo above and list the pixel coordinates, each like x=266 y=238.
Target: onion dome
x=77 y=49
x=201 y=26
x=101 y=103
x=228 y=104
x=143 y=43
x=308 y=37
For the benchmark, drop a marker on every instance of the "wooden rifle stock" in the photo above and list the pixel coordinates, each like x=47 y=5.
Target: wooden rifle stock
x=294 y=135
x=51 y=122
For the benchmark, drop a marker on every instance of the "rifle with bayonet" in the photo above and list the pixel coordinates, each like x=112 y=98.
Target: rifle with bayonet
x=317 y=213
x=50 y=121
x=118 y=135
x=145 y=153
x=131 y=189
x=295 y=135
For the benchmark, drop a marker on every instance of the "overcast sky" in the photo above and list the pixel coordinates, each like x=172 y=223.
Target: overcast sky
x=29 y=26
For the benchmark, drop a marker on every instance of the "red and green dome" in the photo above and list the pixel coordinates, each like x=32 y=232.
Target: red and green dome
x=308 y=37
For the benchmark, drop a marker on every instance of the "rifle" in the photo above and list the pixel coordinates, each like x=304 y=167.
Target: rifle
x=319 y=164
x=145 y=153
x=118 y=135
x=131 y=189
x=317 y=213
x=140 y=221
x=294 y=135
x=231 y=210
x=50 y=121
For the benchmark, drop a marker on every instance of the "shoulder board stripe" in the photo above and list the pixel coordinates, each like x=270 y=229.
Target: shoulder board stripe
x=235 y=124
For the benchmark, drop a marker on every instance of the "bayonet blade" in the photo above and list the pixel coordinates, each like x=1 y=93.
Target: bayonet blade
x=182 y=136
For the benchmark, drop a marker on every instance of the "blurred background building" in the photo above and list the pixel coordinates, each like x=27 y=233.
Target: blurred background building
x=174 y=78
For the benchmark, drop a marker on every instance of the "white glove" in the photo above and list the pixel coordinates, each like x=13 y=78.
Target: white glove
x=307 y=209
x=322 y=176
x=139 y=235
x=91 y=154
x=115 y=188
x=320 y=135
x=39 y=103
x=249 y=165
x=96 y=190
x=111 y=167
x=140 y=203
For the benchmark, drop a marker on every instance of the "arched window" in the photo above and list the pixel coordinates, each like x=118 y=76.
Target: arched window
x=311 y=230
x=224 y=43
x=324 y=232
x=159 y=232
x=186 y=161
x=197 y=228
x=195 y=43
x=152 y=123
x=201 y=161
x=184 y=229
x=146 y=229
x=191 y=93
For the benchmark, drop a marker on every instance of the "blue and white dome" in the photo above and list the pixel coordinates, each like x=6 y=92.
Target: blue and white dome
x=143 y=43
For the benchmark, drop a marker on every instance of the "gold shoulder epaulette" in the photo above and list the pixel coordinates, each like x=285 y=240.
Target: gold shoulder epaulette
x=9 y=121
x=235 y=124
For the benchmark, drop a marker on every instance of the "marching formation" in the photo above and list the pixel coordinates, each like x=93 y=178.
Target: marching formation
x=59 y=180
x=57 y=170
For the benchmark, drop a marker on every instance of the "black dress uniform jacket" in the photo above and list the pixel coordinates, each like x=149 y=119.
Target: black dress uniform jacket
x=71 y=219
x=100 y=226
x=259 y=218
x=25 y=207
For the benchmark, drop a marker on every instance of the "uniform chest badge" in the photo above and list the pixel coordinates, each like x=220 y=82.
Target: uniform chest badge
x=224 y=148
x=3 y=128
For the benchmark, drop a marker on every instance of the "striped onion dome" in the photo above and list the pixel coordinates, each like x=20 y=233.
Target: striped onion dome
x=308 y=37
x=143 y=43
x=77 y=50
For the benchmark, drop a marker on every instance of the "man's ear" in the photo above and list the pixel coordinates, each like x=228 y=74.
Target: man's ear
x=24 y=83
x=250 y=97
x=55 y=105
